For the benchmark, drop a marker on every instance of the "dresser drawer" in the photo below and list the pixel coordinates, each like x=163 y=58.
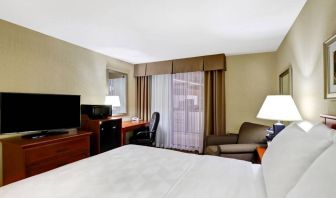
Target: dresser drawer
x=56 y=162
x=53 y=151
x=23 y=157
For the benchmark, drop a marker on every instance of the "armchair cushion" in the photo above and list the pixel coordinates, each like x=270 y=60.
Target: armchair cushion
x=222 y=139
x=238 y=148
x=212 y=150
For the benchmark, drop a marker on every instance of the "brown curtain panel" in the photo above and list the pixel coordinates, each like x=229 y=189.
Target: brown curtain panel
x=214 y=97
x=143 y=97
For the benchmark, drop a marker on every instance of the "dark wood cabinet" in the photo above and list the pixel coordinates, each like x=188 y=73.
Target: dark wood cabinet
x=23 y=157
x=106 y=133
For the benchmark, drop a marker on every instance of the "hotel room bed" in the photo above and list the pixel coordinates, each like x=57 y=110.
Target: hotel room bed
x=298 y=163
x=138 y=171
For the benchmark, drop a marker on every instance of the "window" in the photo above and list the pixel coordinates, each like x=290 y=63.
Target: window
x=179 y=100
x=117 y=86
x=188 y=94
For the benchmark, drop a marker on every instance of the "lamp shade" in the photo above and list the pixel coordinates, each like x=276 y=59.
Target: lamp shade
x=279 y=107
x=112 y=100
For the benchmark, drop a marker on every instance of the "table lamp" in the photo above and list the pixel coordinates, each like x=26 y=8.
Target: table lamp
x=279 y=108
x=112 y=100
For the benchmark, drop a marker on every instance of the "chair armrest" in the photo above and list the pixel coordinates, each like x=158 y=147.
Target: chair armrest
x=144 y=132
x=144 y=128
x=221 y=139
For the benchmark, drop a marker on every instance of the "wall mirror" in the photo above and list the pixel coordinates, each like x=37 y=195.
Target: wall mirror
x=285 y=82
x=117 y=92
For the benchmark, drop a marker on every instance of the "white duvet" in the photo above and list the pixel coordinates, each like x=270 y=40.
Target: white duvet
x=137 y=171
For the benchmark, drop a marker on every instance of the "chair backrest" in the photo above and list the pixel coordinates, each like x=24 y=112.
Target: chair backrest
x=154 y=123
x=252 y=133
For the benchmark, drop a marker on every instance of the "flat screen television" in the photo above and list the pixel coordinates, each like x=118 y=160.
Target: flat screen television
x=24 y=112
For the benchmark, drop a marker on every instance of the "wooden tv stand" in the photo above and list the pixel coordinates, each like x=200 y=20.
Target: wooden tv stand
x=24 y=157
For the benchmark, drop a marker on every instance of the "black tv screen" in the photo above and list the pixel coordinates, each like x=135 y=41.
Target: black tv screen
x=21 y=112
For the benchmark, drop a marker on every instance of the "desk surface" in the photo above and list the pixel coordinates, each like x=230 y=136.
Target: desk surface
x=127 y=124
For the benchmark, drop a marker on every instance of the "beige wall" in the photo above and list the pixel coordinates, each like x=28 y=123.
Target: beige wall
x=33 y=62
x=303 y=49
x=249 y=79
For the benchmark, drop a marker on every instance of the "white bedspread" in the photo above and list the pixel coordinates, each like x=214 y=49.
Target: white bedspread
x=137 y=171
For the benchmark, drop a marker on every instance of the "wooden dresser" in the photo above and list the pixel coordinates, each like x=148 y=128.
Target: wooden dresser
x=23 y=157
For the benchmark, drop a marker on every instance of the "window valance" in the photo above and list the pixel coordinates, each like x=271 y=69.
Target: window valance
x=214 y=62
x=157 y=68
x=188 y=65
x=140 y=69
x=202 y=63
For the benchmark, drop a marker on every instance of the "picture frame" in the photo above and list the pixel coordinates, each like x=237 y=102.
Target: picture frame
x=329 y=51
x=286 y=82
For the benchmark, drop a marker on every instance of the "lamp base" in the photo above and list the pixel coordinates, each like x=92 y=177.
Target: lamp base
x=275 y=130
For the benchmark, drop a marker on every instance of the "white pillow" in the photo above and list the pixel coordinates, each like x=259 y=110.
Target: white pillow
x=290 y=154
x=320 y=178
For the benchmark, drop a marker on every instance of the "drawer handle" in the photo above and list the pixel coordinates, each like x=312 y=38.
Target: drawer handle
x=62 y=150
x=114 y=127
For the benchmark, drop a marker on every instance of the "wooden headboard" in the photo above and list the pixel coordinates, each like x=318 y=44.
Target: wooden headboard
x=329 y=120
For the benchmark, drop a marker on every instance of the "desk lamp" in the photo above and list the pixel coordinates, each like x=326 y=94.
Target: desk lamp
x=112 y=100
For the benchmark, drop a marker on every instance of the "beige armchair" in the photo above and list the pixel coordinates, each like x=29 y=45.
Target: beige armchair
x=239 y=146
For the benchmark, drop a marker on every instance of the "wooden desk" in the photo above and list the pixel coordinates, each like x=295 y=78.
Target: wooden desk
x=130 y=126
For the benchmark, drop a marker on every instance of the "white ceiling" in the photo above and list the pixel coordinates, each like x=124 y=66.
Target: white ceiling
x=139 y=31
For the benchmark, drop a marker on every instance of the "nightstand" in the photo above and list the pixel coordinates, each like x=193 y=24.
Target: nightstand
x=260 y=151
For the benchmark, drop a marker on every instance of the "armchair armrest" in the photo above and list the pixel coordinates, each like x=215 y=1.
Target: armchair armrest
x=221 y=139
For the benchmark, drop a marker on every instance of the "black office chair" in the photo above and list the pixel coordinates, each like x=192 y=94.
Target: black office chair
x=147 y=136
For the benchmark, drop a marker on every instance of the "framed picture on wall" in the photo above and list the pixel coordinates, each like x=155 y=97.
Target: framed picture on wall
x=330 y=68
x=286 y=82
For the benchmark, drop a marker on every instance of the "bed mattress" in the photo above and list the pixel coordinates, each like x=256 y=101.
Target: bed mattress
x=138 y=171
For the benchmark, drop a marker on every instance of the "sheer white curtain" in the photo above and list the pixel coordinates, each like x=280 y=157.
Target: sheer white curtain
x=179 y=100
x=161 y=102
x=188 y=111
